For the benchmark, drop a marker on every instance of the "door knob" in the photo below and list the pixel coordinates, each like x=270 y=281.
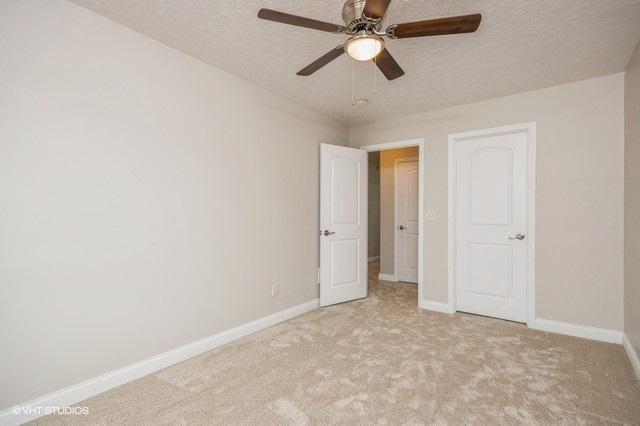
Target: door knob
x=518 y=237
x=326 y=233
x=402 y=227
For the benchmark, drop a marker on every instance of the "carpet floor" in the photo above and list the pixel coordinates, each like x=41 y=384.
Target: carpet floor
x=382 y=360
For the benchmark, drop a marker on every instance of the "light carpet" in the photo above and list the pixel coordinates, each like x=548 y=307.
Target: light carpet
x=382 y=360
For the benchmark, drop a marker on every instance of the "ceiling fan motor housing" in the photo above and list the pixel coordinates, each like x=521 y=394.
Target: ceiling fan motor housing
x=352 y=10
x=354 y=19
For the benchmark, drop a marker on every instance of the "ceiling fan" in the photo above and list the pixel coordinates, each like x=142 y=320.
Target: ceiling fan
x=363 y=22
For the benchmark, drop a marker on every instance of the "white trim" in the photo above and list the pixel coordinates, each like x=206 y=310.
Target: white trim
x=632 y=354
x=584 y=331
x=530 y=129
x=451 y=228
x=421 y=200
x=396 y=234
x=393 y=145
x=436 y=306
x=388 y=277
x=422 y=194
x=80 y=392
x=531 y=225
x=374 y=259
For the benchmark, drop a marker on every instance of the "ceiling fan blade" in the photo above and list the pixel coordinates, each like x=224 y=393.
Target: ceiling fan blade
x=299 y=21
x=321 y=61
x=434 y=27
x=388 y=65
x=375 y=9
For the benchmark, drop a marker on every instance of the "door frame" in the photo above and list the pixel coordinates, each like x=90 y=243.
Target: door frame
x=530 y=130
x=421 y=199
x=396 y=234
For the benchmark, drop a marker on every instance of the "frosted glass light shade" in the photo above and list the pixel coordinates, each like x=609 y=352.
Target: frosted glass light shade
x=364 y=48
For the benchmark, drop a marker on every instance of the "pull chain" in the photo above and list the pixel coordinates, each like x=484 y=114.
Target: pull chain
x=353 y=83
x=354 y=99
x=375 y=75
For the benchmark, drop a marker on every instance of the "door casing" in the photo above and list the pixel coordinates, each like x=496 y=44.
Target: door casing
x=530 y=130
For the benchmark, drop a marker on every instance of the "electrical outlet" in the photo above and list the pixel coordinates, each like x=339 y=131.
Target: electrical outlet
x=275 y=290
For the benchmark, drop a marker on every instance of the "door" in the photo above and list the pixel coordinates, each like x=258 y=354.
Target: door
x=343 y=224
x=490 y=217
x=406 y=219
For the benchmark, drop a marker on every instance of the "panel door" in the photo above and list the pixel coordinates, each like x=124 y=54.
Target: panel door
x=491 y=218
x=406 y=220
x=343 y=224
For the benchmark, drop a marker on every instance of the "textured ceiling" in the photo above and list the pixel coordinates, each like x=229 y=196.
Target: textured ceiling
x=520 y=45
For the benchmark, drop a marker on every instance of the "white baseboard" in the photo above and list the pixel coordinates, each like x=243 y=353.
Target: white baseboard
x=28 y=411
x=388 y=277
x=374 y=259
x=584 y=331
x=436 y=306
x=632 y=354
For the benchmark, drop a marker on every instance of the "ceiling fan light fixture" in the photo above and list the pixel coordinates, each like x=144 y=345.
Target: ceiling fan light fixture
x=363 y=24
x=364 y=47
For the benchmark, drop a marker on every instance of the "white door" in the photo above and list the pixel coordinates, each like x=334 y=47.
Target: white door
x=343 y=224
x=406 y=220
x=491 y=225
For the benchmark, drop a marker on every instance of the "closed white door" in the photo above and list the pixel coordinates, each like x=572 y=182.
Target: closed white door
x=343 y=224
x=491 y=194
x=406 y=220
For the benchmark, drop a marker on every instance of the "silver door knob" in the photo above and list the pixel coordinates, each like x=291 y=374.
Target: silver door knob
x=518 y=237
x=402 y=227
x=326 y=233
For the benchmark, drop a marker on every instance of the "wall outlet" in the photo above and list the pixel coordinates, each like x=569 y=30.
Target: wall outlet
x=275 y=290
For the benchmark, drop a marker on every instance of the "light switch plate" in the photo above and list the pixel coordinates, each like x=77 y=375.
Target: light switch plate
x=431 y=216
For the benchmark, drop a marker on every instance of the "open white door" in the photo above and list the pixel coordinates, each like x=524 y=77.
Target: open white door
x=343 y=224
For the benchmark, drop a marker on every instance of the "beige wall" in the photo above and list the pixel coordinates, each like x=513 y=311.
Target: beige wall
x=387 y=205
x=632 y=202
x=579 y=198
x=373 y=221
x=147 y=199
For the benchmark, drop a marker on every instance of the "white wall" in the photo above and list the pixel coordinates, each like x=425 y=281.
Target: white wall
x=579 y=199
x=632 y=202
x=146 y=198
